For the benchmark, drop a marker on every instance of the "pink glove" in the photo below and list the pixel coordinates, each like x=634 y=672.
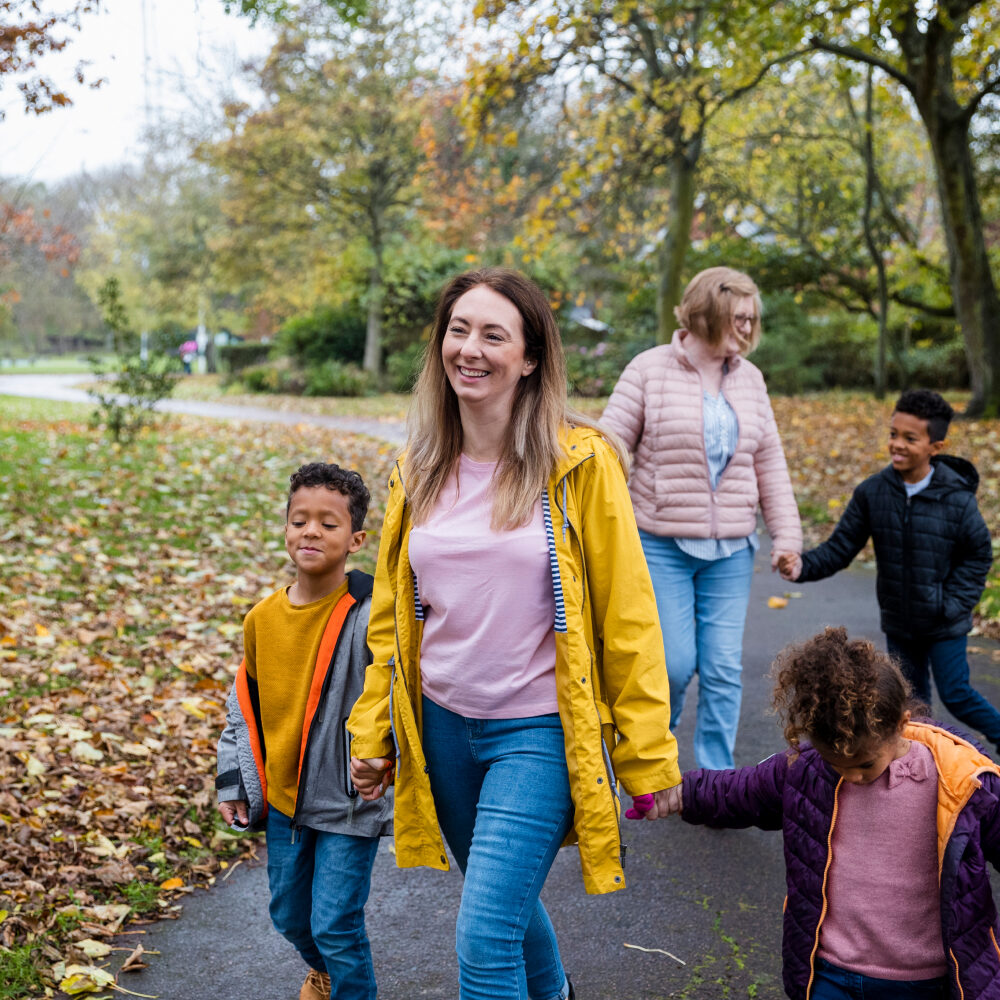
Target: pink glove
x=641 y=804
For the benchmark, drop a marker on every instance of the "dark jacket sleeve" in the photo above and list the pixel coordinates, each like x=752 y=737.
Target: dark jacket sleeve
x=847 y=540
x=973 y=557
x=748 y=796
x=989 y=829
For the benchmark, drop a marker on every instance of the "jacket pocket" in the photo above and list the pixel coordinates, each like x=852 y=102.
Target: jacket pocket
x=349 y=789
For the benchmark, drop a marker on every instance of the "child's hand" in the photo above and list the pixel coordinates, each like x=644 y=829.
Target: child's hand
x=372 y=776
x=233 y=811
x=641 y=804
x=659 y=804
x=790 y=565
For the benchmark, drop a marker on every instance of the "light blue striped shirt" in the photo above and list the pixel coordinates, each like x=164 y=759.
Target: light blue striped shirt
x=722 y=431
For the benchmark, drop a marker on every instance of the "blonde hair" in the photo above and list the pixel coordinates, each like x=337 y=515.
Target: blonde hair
x=706 y=308
x=539 y=408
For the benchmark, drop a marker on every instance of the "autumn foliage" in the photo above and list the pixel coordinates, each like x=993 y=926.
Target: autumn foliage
x=124 y=578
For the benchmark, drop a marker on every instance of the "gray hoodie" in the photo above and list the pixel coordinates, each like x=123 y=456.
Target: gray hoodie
x=326 y=798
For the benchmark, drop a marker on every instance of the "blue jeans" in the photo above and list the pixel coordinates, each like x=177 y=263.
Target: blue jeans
x=319 y=887
x=501 y=791
x=949 y=663
x=834 y=983
x=702 y=606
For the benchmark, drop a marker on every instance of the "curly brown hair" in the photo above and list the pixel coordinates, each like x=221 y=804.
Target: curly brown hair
x=840 y=693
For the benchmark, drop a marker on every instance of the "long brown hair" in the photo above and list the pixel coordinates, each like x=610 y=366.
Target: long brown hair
x=538 y=411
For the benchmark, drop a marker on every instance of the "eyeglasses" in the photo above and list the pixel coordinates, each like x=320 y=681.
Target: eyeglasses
x=740 y=320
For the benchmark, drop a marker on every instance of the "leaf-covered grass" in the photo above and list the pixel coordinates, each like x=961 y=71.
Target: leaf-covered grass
x=124 y=578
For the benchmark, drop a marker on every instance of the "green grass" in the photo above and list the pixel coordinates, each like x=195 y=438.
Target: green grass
x=18 y=973
x=61 y=365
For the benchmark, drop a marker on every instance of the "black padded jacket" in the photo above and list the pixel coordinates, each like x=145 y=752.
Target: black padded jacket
x=932 y=550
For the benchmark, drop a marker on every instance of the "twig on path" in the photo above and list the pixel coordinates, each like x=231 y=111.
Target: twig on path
x=660 y=951
x=232 y=868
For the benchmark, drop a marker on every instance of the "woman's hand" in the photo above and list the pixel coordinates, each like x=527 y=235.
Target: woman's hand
x=371 y=776
x=666 y=803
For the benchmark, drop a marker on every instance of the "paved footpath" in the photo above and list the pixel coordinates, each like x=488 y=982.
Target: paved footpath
x=711 y=898
x=64 y=388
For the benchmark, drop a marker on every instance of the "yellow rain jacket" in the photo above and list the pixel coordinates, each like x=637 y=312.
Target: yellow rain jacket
x=611 y=679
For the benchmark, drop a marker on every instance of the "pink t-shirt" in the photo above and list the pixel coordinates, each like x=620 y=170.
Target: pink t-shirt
x=488 y=648
x=884 y=916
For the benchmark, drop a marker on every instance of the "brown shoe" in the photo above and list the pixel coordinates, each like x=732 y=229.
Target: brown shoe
x=316 y=986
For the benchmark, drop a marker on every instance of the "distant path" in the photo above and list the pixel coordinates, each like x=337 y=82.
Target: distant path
x=63 y=389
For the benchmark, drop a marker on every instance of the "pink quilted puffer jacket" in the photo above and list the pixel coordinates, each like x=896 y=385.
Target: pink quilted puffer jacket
x=656 y=407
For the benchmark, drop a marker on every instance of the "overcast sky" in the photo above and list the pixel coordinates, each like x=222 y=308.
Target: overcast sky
x=191 y=52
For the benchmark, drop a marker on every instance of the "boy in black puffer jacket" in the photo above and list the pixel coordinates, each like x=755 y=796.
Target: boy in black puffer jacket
x=932 y=550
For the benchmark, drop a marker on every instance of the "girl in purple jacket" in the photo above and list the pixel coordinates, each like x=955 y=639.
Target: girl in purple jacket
x=888 y=824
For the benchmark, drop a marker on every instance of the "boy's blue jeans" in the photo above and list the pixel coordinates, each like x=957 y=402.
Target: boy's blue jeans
x=702 y=605
x=948 y=661
x=501 y=791
x=319 y=887
x=834 y=983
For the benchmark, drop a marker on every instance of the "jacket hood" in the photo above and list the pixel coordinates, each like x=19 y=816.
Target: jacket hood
x=579 y=443
x=950 y=473
x=961 y=467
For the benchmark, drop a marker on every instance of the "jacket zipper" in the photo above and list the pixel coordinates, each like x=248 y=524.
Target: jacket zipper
x=826 y=876
x=907 y=544
x=608 y=765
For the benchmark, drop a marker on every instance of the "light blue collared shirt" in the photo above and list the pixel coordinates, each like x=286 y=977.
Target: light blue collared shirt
x=722 y=431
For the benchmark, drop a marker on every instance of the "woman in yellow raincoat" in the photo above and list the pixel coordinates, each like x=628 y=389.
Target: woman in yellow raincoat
x=518 y=670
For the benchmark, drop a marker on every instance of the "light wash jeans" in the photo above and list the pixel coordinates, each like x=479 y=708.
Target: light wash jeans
x=319 y=886
x=501 y=790
x=702 y=606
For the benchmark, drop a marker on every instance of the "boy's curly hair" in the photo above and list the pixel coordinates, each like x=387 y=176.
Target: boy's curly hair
x=838 y=692
x=333 y=477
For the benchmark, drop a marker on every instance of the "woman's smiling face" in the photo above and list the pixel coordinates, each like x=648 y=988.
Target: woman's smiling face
x=483 y=350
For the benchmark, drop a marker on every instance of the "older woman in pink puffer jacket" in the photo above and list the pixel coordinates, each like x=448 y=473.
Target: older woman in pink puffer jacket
x=696 y=416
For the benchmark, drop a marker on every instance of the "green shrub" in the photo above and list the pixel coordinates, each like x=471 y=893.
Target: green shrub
x=236 y=357
x=593 y=371
x=274 y=377
x=327 y=333
x=403 y=367
x=333 y=378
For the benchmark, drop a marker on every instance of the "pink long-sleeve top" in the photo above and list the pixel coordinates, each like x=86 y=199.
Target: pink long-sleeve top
x=488 y=647
x=884 y=898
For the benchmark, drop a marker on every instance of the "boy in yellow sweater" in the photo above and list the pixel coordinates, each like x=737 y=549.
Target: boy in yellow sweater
x=284 y=755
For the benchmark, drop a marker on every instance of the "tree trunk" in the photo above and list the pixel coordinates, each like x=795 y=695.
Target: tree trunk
x=977 y=304
x=677 y=239
x=929 y=55
x=871 y=182
x=373 y=331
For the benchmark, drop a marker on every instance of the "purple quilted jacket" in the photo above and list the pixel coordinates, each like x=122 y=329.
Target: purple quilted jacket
x=799 y=796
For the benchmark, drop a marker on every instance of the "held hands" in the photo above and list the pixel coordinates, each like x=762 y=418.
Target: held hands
x=372 y=776
x=659 y=804
x=790 y=565
x=235 y=810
